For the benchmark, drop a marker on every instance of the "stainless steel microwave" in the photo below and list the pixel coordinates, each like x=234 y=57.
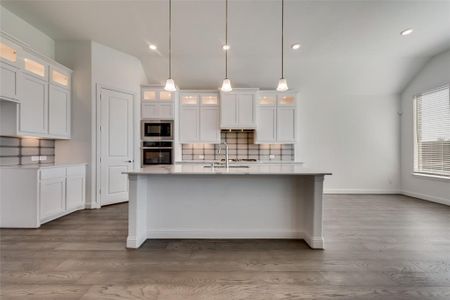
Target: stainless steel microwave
x=152 y=130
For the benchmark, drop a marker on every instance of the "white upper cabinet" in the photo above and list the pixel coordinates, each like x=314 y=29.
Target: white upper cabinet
x=10 y=65
x=35 y=66
x=40 y=86
x=157 y=103
x=33 y=107
x=276 y=118
x=59 y=111
x=199 y=118
x=237 y=109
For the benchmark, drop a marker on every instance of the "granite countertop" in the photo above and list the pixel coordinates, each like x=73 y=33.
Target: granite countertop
x=250 y=169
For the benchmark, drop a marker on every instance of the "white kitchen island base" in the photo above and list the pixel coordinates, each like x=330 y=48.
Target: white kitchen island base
x=195 y=202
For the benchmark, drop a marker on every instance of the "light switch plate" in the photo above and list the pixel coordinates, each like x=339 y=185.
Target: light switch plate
x=35 y=158
x=272 y=156
x=43 y=157
x=201 y=157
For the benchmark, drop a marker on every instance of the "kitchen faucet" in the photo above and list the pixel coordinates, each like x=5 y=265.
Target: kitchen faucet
x=226 y=153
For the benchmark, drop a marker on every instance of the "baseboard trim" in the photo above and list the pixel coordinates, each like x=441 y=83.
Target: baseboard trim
x=427 y=197
x=224 y=234
x=135 y=242
x=360 y=191
x=91 y=206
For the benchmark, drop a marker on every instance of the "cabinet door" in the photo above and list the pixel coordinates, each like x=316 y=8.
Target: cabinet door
x=165 y=111
x=150 y=110
x=266 y=124
x=59 y=111
x=52 y=198
x=246 y=111
x=74 y=192
x=228 y=110
x=286 y=124
x=10 y=80
x=189 y=124
x=209 y=124
x=33 y=106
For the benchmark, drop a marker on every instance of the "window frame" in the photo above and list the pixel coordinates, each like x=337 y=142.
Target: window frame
x=416 y=171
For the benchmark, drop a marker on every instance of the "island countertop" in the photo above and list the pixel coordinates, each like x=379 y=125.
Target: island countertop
x=249 y=169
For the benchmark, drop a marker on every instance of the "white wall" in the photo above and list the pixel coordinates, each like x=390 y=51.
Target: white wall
x=94 y=64
x=435 y=73
x=77 y=56
x=114 y=69
x=18 y=28
x=356 y=137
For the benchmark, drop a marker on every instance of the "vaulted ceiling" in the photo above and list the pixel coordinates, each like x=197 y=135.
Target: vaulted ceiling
x=347 y=46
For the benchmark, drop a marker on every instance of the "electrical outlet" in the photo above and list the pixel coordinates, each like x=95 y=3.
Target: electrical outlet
x=201 y=157
x=43 y=157
x=272 y=156
x=35 y=158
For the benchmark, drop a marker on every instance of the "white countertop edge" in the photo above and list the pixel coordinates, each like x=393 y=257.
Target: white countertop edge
x=274 y=162
x=43 y=166
x=254 y=169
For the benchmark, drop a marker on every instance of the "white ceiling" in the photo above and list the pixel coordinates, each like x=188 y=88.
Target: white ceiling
x=347 y=46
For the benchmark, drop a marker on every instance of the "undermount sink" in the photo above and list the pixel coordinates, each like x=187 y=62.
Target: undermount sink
x=223 y=166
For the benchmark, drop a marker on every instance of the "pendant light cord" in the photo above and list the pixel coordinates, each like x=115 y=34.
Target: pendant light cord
x=170 y=38
x=226 y=39
x=282 y=38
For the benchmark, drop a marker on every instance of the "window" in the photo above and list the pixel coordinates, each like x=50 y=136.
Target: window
x=432 y=132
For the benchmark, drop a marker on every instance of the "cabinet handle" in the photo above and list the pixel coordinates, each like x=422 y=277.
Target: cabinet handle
x=129 y=161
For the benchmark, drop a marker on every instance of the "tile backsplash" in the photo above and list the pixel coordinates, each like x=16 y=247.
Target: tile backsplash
x=21 y=151
x=241 y=146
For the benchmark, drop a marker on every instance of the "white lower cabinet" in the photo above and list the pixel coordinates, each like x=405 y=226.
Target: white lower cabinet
x=52 y=196
x=30 y=197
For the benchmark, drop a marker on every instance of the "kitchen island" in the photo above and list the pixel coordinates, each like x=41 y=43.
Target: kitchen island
x=202 y=201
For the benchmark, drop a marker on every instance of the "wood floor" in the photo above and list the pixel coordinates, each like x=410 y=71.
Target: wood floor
x=377 y=247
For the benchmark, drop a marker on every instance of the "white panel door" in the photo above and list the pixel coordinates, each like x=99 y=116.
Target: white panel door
x=74 y=192
x=266 y=124
x=209 y=124
x=286 y=124
x=116 y=145
x=189 y=124
x=228 y=110
x=9 y=78
x=58 y=111
x=52 y=198
x=246 y=111
x=33 y=106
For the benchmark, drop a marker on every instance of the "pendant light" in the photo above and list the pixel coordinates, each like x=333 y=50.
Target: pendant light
x=170 y=84
x=282 y=83
x=226 y=84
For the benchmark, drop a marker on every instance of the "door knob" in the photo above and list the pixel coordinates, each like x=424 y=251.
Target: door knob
x=129 y=161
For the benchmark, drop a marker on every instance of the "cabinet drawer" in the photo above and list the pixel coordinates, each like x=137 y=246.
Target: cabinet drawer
x=75 y=171
x=53 y=173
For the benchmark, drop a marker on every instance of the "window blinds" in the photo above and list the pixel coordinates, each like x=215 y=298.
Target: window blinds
x=432 y=115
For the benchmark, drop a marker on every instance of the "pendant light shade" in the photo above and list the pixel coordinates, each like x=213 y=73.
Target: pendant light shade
x=170 y=84
x=282 y=83
x=226 y=84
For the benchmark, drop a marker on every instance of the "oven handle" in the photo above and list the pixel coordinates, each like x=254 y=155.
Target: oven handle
x=155 y=148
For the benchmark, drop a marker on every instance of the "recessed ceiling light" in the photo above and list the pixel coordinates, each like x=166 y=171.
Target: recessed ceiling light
x=295 y=46
x=226 y=47
x=152 y=47
x=407 y=31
